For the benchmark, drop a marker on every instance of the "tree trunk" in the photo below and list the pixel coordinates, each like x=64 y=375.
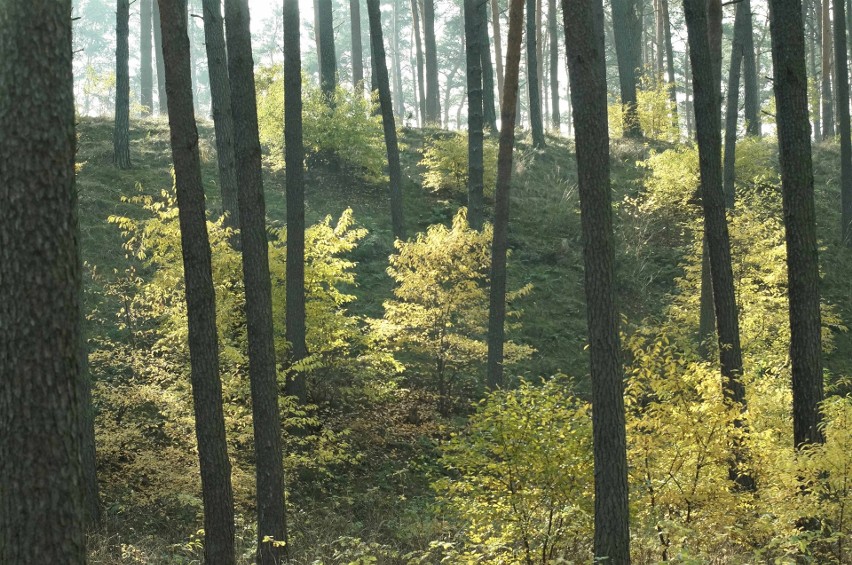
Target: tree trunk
x=628 y=49
x=200 y=296
x=664 y=6
x=732 y=107
x=702 y=25
x=121 y=130
x=271 y=520
x=750 y=79
x=473 y=33
x=556 y=118
x=489 y=115
x=327 y=55
x=842 y=90
x=399 y=106
x=499 y=245
x=88 y=452
x=357 y=49
x=223 y=121
x=687 y=109
x=418 y=43
x=797 y=184
x=433 y=97
x=41 y=502
x=498 y=49
x=533 y=82
x=162 y=97
x=827 y=100
x=146 y=72
x=381 y=68
x=584 y=38
x=816 y=44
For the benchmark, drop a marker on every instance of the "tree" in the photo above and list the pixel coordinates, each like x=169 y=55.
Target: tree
x=472 y=34
x=842 y=90
x=500 y=242
x=703 y=20
x=325 y=44
x=628 y=49
x=741 y=21
x=797 y=184
x=433 y=96
x=41 y=480
x=388 y=125
x=533 y=82
x=825 y=81
x=162 y=97
x=498 y=48
x=750 y=85
x=220 y=95
x=584 y=38
x=396 y=62
x=554 y=65
x=295 y=186
x=121 y=131
x=670 y=69
x=357 y=49
x=489 y=116
x=146 y=72
x=418 y=45
x=200 y=297
x=263 y=375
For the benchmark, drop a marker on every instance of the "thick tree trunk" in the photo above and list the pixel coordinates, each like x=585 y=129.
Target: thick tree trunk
x=584 y=38
x=489 y=115
x=842 y=90
x=498 y=49
x=826 y=89
x=200 y=296
x=271 y=520
x=701 y=23
x=41 y=480
x=750 y=79
x=327 y=55
x=433 y=97
x=220 y=95
x=628 y=49
x=533 y=82
x=357 y=48
x=294 y=157
x=418 y=43
x=381 y=68
x=499 y=245
x=146 y=71
x=121 y=130
x=473 y=33
x=556 y=118
x=797 y=183
x=162 y=97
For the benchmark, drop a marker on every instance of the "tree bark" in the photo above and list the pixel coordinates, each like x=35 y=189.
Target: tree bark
x=357 y=48
x=826 y=89
x=398 y=104
x=200 y=296
x=628 y=49
x=741 y=20
x=146 y=72
x=327 y=55
x=433 y=97
x=41 y=479
x=797 y=184
x=271 y=520
x=220 y=96
x=381 y=68
x=499 y=245
x=584 y=38
x=162 y=97
x=489 y=115
x=473 y=32
x=418 y=43
x=842 y=90
x=664 y=6
x=121 y=130
x=498 y=49
x=556 y=118
x=533 y=82
x=816 y=45
x=750 y=78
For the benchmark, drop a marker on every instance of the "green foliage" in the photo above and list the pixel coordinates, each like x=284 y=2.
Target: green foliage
x=439 y=313
x=656 y=111
x=345 y=132
x=445 y=161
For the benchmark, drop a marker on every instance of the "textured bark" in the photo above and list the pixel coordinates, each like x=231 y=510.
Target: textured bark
x=628 y=49
x=750 y=79
x=670 y=69
x=220 y=96
x=816 y=43
x=489 y=115
x=381 y=68
x=499 y=245
x=533 y=81
x=842 y=89
x=797 y=183
x=162 y=97
x=473 y=32
x=701 y=23
x=146 y=71
x=433 y=97
x=357 y=47
x=271 y=521
x=88 y=454
x=200 y=296
x=327 y=55
x=825 y=82
x=41 y=502
x=498 y=49
x=418 y=44
x=121 y=129
x=294 y=157
x=584 y=37
x=732 y=106
x=556 y=118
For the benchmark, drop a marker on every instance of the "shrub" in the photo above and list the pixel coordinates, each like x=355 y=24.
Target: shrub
x=445 y=161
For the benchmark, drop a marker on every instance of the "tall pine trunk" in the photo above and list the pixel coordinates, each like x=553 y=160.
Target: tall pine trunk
x=751 y=88
x=433 y=97
x=533 y=82
x=552 y=28
x=398 y=104
x=357 y=48
x=584 y=38
x=200 y=296
x=146 y=71
x=628 y=49
x=670 y=68
x=121 y=129
x=162 y=97
x=473 y=33
x=418 y=44
x=842 y=90
x=41 y=502
x=327 y=55
x=498 y=48
x=732 y=106
x=489 y=115
x=825 y=82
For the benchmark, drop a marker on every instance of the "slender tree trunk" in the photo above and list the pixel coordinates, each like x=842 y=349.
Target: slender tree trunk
x=162 y=97
x=121 y=131
x=399 y=107
x=146 y=72
x=556 y=118
x=533 y=82
x=327 y=55
x=584 y=38
x=433 y=97
x=497 y=297
x=394 y=170
x=816 y=45
x=421 y=86
x=750 y=79
x=220 y=95
x=687 y=109
x=797 y=183
x=473 y=33
x=827 y=100
x=200 y=296
x=842 y=91
x=295 y=316
x=271 y=519
x=659 y=32
x=628 y=48
x=357 y=48
x=41 y=502
x=489 y=114
x=664 y=7
x=498 y=48
x=702 y=25
x=741 y=21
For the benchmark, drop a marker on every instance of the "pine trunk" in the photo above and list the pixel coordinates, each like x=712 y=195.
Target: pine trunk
x=473 y=32
x=556 y=118
x=498 y=49
x=162 y=97
x=121 y=130
x=628 y=49
x=842 y=90
x=418 y=43
x=533 y=82
x=357 y=48
x=489 y=115
x=664 y=6
x=146 y=71
x=433 y=97
x=826 y=90
x=750 y=78
x=732 y=105
x=327 y=55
